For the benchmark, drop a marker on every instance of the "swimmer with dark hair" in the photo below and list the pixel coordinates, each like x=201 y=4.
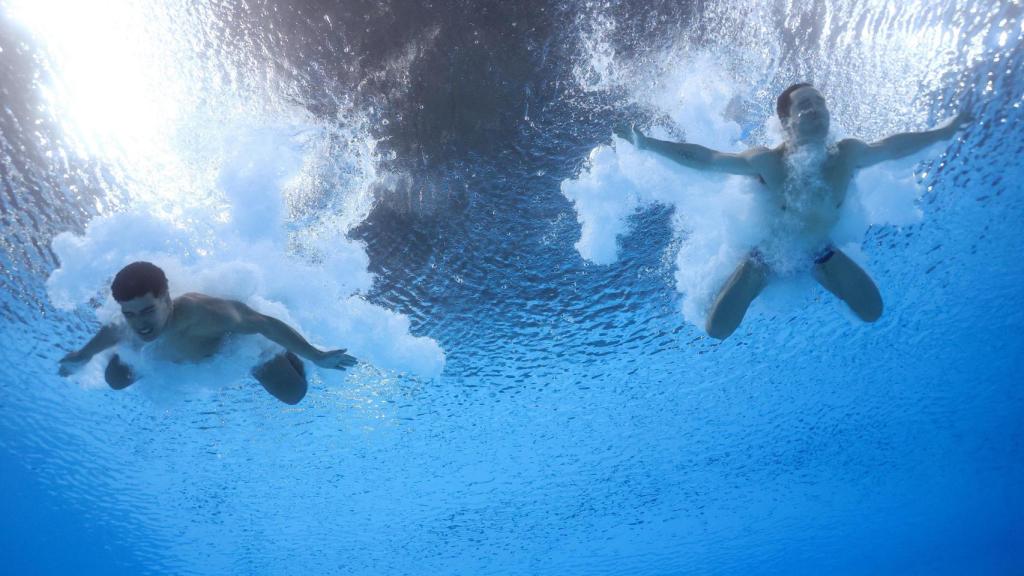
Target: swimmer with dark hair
x=825 y=171
x=192 y=328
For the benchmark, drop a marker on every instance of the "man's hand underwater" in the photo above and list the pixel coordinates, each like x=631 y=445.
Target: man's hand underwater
x=335 y=360
x=72 y=362
x=959 y=123
x=630 y=133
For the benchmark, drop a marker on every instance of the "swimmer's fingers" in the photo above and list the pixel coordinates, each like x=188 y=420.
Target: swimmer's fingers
x=960 y=122
x=638 y=138
x=630 y=133
x=963 y=120
x=69 y=368
x=336 y=359
x=346 y=361
x=70 y=364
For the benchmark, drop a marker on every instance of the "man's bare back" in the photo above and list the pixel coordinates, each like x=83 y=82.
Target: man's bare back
x=192 y=328
x=811 y=201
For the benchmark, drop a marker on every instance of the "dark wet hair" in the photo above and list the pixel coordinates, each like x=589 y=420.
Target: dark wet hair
x=138 y=279
x=783 y=104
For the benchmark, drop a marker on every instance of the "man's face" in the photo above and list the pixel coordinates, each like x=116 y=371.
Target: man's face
x=147 y=315
x=808 y=114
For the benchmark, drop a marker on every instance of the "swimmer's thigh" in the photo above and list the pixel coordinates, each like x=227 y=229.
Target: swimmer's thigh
x=284 y=377
x=841 y=276
x=735 y=297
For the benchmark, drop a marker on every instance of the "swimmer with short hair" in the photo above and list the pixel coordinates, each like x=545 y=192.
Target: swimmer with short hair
x=805 y=119
x=192 y=328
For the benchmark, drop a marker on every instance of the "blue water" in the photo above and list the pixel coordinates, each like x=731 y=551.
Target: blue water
x=580 y=425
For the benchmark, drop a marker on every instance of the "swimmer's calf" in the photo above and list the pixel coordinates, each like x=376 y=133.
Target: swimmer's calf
x=192 y=327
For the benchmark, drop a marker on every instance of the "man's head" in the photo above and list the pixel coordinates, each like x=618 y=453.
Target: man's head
x=803 y=112
x=141 y=290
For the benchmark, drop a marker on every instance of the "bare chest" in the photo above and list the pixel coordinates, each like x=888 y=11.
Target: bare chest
x=824 y=183
x=181 y=346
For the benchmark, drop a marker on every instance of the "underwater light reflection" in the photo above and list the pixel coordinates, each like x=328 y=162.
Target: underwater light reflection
x=114 y=84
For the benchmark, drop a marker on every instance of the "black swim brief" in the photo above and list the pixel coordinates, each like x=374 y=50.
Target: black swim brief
x=824 y=255
x=820 y=257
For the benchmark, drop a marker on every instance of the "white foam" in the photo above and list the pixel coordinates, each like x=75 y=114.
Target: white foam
x=309 y=276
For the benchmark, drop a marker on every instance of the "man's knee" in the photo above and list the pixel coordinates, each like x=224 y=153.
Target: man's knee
x=717 y=329
x=872 y=311
x=870 y=303
x=116 y=383
x=294 y=393
x=284 y=377
x=118 y=374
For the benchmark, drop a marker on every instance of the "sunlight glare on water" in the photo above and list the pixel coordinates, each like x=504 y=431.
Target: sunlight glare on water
x=116 y=80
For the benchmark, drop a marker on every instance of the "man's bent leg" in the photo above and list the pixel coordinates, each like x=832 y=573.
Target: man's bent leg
x=118 y=374
x=841 y=276
x=735 y=297
x=284 y=377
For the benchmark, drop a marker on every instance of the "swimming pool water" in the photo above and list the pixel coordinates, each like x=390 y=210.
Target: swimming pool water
x=580 y=424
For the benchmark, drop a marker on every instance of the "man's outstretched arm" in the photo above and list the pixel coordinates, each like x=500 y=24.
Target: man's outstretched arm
x=694 y=155
x=107 y=336
x=901 y=145
x=117 y=374
x=245 y=320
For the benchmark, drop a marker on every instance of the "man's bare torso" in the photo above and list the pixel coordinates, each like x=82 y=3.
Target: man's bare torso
x=808 y=189
x=193 y=332
x=836 y=171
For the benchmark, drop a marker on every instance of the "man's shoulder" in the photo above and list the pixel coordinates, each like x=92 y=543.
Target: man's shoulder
x=763 y=153
x=758 y=151
x=195 y=305
x=191 y=302
x=851 y=145
x=199 y=300
x=767 y=161
x=852 y=150
x=204 y=312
